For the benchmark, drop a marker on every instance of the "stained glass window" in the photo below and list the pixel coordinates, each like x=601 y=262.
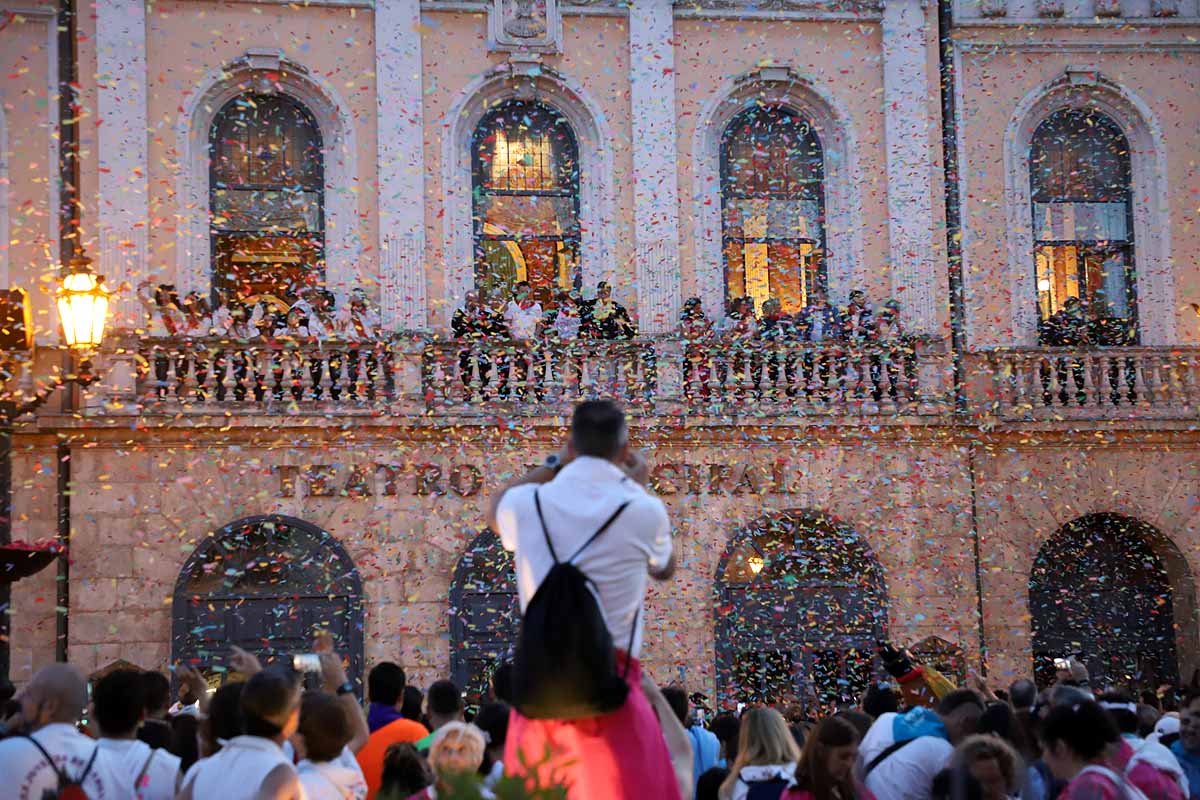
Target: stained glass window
x=1083 y=223
x=266 y=197
x=525 y=167
x=773 y=207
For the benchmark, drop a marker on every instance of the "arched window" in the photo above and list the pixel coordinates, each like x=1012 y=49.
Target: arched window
x=484 y=614
x=525 y=181
x=1083 y=225
x=800 y=605
x=266 y=197
x=266 y=584
x=773 y=207
x=1100 y=590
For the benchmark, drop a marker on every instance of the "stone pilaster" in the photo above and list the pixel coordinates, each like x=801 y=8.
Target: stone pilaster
x=401 y=165
x=907 y=92
x=656 y=190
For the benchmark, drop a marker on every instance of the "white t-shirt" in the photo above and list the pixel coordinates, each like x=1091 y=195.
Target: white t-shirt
x=237 y=770
x=25 y=774
x=576 y=503
x=907 y=774
x=128 y=756
x=522 y=322
x=332 y=780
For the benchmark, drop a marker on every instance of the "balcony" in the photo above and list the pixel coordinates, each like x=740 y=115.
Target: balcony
x=436 y=377
x=717 y=381
x=1101 y=383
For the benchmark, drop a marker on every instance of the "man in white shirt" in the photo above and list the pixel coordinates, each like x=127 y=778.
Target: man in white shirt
x=118 y=705
x=522 y=315
x=901 y=753
x=253 y=766
x=578 y=490
x=50 y=709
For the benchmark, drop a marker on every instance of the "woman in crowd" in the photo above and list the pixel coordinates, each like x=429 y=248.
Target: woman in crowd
x=1077 y=739
x=992 y=762
x=457 y=751
x=404 y=773
x=327 y=772
x=696 y=331
x=826 y=768
x=767 y=755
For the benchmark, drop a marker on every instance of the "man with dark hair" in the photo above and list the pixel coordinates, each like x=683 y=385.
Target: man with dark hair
x=118 y=705
x=52 y=748
x=156 y=730
x=402 y=729
x=1022 y=695
x=902 y=753
x=502 y=683
x=254 y=764
x=443 y=704
x=413 y=705
x=595 y=483
x=385 y=690
x=1187 y=748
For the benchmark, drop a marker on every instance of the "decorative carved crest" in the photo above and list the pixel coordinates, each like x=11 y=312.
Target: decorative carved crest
x=526 y=26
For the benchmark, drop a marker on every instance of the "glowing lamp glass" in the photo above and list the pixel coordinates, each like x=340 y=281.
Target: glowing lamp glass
x=756 y=564
x=83 y=309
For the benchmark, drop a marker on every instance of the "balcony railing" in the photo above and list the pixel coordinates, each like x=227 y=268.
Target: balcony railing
x=1095 y=383
x=439 y=376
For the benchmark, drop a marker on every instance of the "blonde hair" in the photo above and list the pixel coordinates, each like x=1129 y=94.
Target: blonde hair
x=457 y=748
x=764 y=739
x=986 y=746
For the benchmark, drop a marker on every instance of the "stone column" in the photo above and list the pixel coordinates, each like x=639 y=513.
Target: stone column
x=906 y=90
x=401 y=164
x=656 y=194
x=123 y=211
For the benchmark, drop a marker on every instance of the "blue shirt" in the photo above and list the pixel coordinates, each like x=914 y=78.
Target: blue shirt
x=1191 y=768
x=706 y=751
x=380 y=714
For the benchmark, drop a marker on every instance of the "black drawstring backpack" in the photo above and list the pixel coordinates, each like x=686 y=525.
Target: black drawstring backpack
x=565 y=666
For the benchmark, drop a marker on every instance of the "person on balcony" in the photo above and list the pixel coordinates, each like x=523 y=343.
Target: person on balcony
x=475 y=324
x=897 y=353
x=821 y=325
x=522 y=316
x=560 y=329
x=697 y=332
x=605 y=318
x=859 y=323
x=1068 y=327
x=859 y=317
x=738 y=329
x=358 y=321
x=777 y=329
x=163 y=320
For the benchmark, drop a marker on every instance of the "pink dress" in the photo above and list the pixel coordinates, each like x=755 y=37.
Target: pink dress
x=619 y=755
x=796 y=793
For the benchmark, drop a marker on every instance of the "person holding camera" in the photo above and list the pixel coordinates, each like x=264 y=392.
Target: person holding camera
x=586 y=510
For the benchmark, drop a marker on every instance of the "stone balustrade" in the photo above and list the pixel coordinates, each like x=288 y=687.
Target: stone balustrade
x=760 y=381
x=1093 y=383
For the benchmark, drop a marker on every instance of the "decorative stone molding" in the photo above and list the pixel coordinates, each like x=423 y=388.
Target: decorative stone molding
x=906 y=91
x=844 y=6
x=524 y=26
x=1155 y=285
x=656 y=193
x=1107 y=8
x=523 y=78
x=121 y=147
x=1050 y=8
x=193 y=257
x=1164 y=8
x=400 y=163
x=781 y=85
x=993 y=8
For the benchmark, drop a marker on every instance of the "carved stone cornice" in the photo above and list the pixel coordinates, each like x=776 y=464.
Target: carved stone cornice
x=810 y=6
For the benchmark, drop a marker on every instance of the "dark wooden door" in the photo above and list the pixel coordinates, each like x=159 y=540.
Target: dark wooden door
x=484 y=615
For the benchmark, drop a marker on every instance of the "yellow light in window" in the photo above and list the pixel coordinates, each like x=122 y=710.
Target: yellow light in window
x=1044 y=285
x=756 y=564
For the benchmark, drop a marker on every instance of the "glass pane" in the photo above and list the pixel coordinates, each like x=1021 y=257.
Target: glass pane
x=526 y=147
x=528 y=215
x=244 y=266
x=266 y=140
x=1059 y=222
x=1079 y=155
x=546 y=263
x=773 y=218
x=263 y=210
x=784 y=270
x=769 y=150
x=1108 y=278
x=1058 y=276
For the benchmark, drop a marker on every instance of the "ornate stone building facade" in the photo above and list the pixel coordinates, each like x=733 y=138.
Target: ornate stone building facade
x=1003 y=495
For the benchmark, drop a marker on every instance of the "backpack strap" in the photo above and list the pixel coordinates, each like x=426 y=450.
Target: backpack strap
x=877 y=760
x=537 y=501
x=145 y=767
x=602 y=529
x=62 y=776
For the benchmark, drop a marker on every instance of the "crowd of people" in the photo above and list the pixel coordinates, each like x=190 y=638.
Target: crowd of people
x=572 y=714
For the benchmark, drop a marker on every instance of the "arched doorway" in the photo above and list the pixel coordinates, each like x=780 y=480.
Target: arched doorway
x=801 y=603
x=484 y=614
x=266 y=584
x=1101 y=589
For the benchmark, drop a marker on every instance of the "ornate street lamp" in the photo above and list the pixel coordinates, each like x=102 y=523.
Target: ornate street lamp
x=83 y=313
x=82 y=306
